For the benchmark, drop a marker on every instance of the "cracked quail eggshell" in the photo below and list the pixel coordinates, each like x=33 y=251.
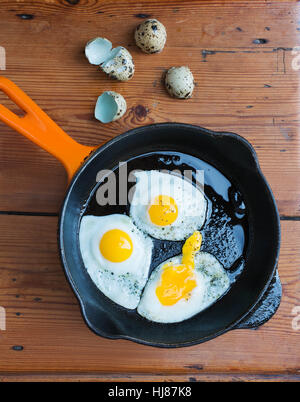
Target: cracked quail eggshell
x=179 y=82
x=97 y=50
x=150 y=36
x=120 y=65
x=110 y=107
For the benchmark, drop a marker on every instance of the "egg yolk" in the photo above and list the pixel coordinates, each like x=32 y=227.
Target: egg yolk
x=177 y=281
x=116 y=245
x=163 y=210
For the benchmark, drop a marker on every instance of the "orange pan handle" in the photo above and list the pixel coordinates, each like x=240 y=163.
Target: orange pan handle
x=37 y=126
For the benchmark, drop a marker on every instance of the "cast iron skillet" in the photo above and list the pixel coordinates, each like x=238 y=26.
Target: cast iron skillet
x=252 y=299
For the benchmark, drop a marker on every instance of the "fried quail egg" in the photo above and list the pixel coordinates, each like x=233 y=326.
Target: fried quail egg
x=167 y=206
x=150 y=36
x=183 y=285
x=179 y=82
x=117 y=256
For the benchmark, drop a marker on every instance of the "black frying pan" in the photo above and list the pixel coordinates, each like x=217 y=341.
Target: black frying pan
x=256 y=292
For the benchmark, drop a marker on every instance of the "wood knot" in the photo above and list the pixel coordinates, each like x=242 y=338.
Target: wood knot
x=140 y=111
x=17 y=347
x=260 y=41
x=25 y=16
x=142 y=15
x=73 y=2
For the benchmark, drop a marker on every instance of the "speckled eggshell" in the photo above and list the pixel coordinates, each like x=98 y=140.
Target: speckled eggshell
x=150 y=36
x=179 y=82
x=121 y=102
x=121 y=67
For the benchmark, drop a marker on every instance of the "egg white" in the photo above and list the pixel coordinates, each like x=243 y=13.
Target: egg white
x=124 y=281
x=190 y=201
x=212 y=282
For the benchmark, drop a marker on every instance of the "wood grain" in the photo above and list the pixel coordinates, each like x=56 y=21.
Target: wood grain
x=241 y=54
x=194 y=377
x=242 y=86
x=43 y=318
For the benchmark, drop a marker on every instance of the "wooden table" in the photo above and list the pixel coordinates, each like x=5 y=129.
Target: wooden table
x=241 y=54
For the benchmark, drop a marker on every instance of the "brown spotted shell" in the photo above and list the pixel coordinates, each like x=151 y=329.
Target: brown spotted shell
x=150 y=36
x=120 y=67
x=179 y=82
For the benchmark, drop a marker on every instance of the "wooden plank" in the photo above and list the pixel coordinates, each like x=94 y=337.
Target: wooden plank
x=45 y=333
x=242 y=86
x=193 y=377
